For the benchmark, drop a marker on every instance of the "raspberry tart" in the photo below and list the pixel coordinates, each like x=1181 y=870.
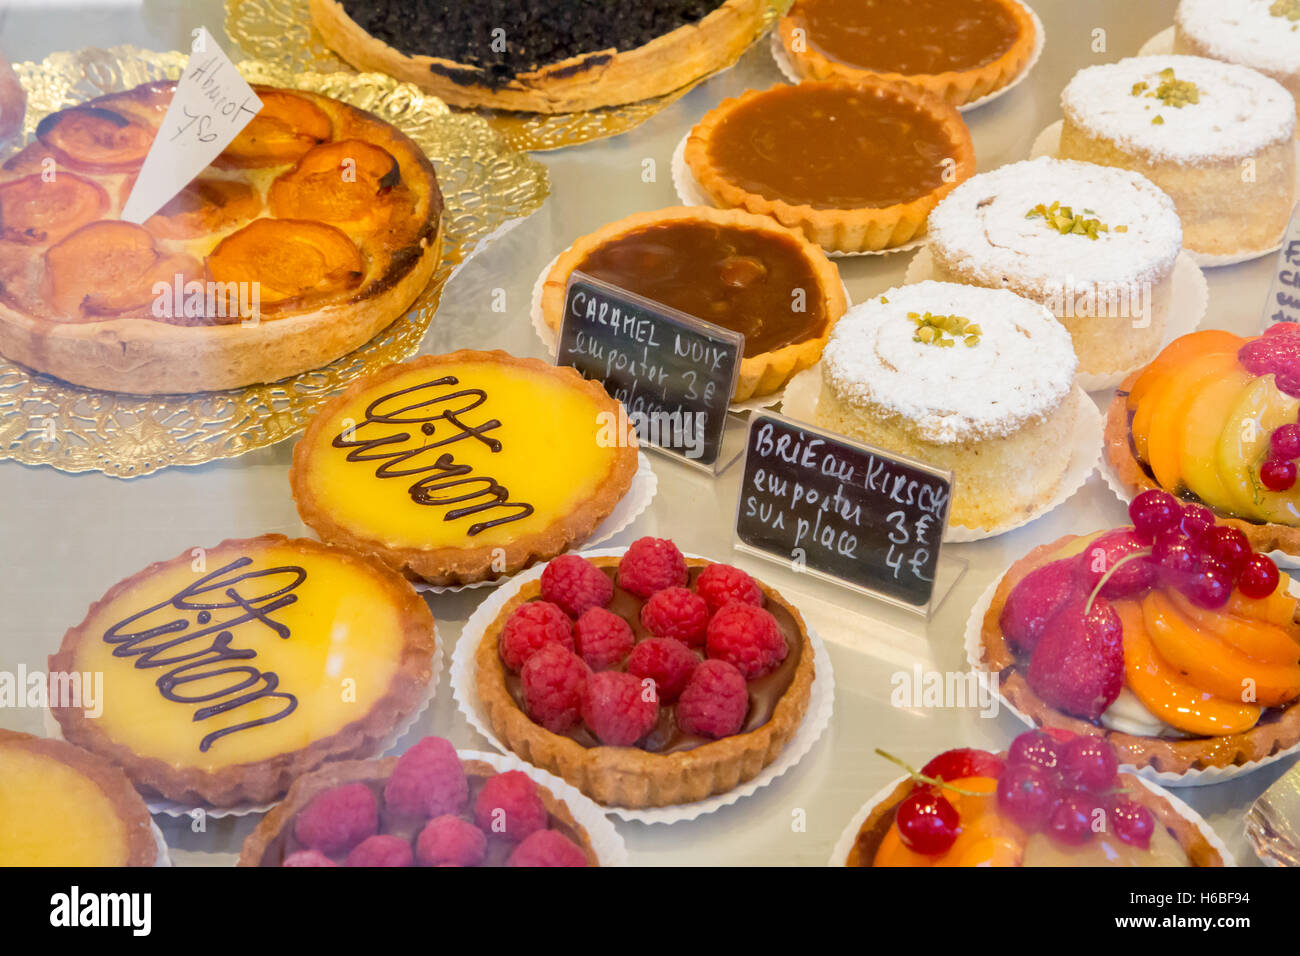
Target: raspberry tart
x=1170 y=638
x=647 y=680
x=1261 y=34
x=429 y=807
x=1054 y=799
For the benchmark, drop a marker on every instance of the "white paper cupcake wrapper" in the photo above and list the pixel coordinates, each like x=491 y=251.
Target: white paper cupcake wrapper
x=164 y=857
x=1160 y=44
x=820 y=704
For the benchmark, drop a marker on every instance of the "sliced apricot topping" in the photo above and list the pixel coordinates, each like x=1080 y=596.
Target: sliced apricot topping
x=288 y=258
x=285 y=128
x=346 y=182
x=206 y=206
x=1170 y=402
x=109 y=268
x=986 y=839
x=1178 y=352
x=1278 y=608
x=95 y=139
x=1257 y=639
x=34 y=211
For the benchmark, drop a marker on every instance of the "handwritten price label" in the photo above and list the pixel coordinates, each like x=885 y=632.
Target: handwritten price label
x=1283 y=302
x=212 y=103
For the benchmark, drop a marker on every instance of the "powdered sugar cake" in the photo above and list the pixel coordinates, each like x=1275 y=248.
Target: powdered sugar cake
x=1261 y=34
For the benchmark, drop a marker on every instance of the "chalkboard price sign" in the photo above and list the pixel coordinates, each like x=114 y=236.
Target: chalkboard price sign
x=674 y=373
x=1283 y=302
x=839 y=509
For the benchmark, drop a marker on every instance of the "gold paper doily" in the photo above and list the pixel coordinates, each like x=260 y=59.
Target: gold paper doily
x=485 y=186
x=280 y=31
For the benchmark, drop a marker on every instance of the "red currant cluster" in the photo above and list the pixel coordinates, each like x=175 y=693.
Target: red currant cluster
x=1278 y=470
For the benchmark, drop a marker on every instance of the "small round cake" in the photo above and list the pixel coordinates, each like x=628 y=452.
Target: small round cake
x=1261 y=34
x=1216 y=137
x=1094 y=244
x=975 y=381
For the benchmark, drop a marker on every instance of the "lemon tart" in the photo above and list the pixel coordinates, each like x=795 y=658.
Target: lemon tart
x=464 y=467
x=229 y=671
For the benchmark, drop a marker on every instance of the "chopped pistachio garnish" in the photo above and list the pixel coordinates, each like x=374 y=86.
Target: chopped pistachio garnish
x=944 y=330
x=1139 y=88
x=1171 y=91
x=1067 y=222
x=1158 y=120
x=1286 y=8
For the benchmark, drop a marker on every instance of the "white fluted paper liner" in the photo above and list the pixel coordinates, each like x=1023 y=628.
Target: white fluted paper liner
x=1047 y=143
x=787 y=69
x=850 y=835
x=1192 y=778
x=1189 y=301
x=815 y=721
x=164 y=857
x=1160 y=44
x=645 y=484
x=799 y=401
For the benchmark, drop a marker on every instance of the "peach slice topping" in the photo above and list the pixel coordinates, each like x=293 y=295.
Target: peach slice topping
x=206 y=206
x=986 y=839
x=95 y=139
x=289 y=258
x=345 y=182
x=285 y=128
x=34 y=211
x=1257 y=639
x=1169 y=402
x=108 y=268
x=1178 y=353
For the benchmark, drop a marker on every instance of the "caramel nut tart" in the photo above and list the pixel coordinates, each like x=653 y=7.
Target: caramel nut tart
x=231 y=671
x=464 y=467
x=960 y=51
x=316 y=227
x=64 y=806
x=647 y=680
x=1260 y=34
x=725 y=266
x=855 y=165
x=557 y=57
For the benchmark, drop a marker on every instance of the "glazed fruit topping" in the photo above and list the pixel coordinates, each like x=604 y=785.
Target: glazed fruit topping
x=927 y=822
x=1034 y=601
x=1078 y=665
x=964 y=762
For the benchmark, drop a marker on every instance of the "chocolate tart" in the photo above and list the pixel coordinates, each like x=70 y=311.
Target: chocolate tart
x=683 y=769
x=1278 y=729
x=603 y=73
x=726 y=266
x=856 y=165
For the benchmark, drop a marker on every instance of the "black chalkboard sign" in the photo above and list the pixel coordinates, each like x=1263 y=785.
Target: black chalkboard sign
x=1283 y=302
x=674 y=373
x=842 y=510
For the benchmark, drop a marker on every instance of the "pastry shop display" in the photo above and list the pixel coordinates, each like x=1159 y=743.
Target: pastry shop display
x=1170 y=637
x=1052 y=799
x=647 y=679
x=976 y=381
x=856 y=165
x=459 y=468
x=959 y=50
x=1218 y=138
x=309 y=234
x=1261 y=34
x=431 y=806
x=544 y=57
x=63 y=806
x=729 y=267
x=1094 y=244
x=228 y=672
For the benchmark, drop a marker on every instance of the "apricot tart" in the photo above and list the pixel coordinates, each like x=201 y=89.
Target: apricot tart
x=646 y=680
x=1261 y=34
x=1213 y=420
x=1171 y=638
x=544 y=57
x=228 y=672
x=63 y=806
x=979 y=382
x=1217 y=138
x=428 y=807
x=725 y=266
x=856 y=165
x=1094 y=244
x=314 y=229
x=960 y=51
x=1054 y=799
x=464 y=467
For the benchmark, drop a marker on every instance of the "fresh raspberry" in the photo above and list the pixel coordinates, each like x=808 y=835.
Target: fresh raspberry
x=552 y=686
x=547 y=848
x=428 y=781
x=604 y=638
x=722 y=584
x=747 y=637
x=574 y=584
x=678 y=613
x=1278 y=353
x=337 y=820
x=529 y=627
x=617 y=708
x=714 y=702
x=650 y=565
x=667 y=662
x=381 y=850
x=449 y=839
x=509 y=805
x=308 y=858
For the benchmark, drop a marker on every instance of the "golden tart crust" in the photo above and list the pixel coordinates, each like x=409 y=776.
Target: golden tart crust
x=467 y=563
x=1158 y=753
x=760 y=374
x=628 y=776
x=858 y=229
x=262 y=780
x=956 y=87
x=584 y=82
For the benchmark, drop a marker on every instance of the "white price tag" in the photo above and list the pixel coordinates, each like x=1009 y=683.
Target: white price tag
x=1283 y=302
x=211 y=105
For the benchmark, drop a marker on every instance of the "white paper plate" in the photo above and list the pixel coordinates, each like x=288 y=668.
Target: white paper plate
x=1159 y=45
x=816 y=719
